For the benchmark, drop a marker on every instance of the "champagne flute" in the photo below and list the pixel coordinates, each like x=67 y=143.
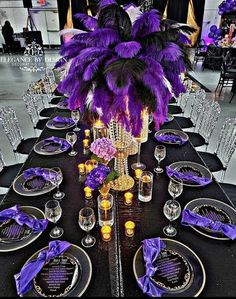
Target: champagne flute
x=87 y=221
x=160 y=154
x=172 y=211
x=53 y=213
x=71 y=138
x=175 y=188
x=75 y=115
x=56 y=177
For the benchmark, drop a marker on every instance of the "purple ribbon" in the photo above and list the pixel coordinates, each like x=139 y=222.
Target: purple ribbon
x=151 y=250
x=171 y=138
x=37 y=172
x=64 y=145
x=187 y=177
x=190 y=218
x=37 y=225
x=63 y=120
x=25 y=277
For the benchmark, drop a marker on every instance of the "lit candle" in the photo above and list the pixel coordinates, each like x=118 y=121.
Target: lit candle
x=81 y=168
x=86 y=143
x=138 y=172
x=88 y=193
x=106 y=233
x=87 y=133
x=90 y=165
x=129 y=228
x=128 y=198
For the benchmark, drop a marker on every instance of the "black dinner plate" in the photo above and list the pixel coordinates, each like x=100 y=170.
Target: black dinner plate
x=215 y=210
x=193 y=168
x=172 y=132
x=190 y=277
x=74 y=259
x=27 y=236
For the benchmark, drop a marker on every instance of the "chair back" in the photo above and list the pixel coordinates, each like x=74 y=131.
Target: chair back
x=11 y=126
x=31 y=108
x=2 y=163
x=183 y=100
x=197 y=106
x=227 y=141
x=209 y=119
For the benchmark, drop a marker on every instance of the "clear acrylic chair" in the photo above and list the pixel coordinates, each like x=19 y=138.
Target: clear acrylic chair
x=49 y=87
x=13 y=132
x=226 y=144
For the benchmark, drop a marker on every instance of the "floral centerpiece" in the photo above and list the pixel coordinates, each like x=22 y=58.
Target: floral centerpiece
x=103 y=150
x=118 y=68
x=100 y=178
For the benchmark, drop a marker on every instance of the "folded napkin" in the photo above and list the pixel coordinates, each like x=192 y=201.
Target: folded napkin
x=37 y=225
x=63 y=120
x=187 y=177
x=171 y=138
x=24 y=279
x=190 y=218
x=37 y=172
x=63 y=143
x=151 y=250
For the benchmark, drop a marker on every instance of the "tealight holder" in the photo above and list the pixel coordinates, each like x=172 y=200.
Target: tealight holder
x=128 y=198
x=88 y=192
x=87 y=133
x=129 y=228
x=86 y=144
x=106 y=232
x=90 y=165
x=99 y=130
x=138 y=172
x=81 y=168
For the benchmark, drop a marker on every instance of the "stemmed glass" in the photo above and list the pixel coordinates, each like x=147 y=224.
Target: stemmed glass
x=175 y=188
x=56 y=177
x=150 y=120
x=53 y=213
x=71 y=138
x=75 y=115
x=160 y=154
x=172 y=211
x=87 y=221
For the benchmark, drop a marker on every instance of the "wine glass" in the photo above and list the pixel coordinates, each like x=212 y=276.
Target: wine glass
x=172 y=211
x=150 y=120
x=56 y=177
x=87 y=221
x=175 y=188
x=159 y=153
x=53 y=213
x=71 y=138
x=75 y=115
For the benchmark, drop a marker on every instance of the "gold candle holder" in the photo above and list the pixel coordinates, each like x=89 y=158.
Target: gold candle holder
x=88 y=193
x=87 y=133
x=86 y=144
x=90 y=165
x=129 y=228
x=138 y=172
x=128 y=198
x=106 y=233
x=81 y=168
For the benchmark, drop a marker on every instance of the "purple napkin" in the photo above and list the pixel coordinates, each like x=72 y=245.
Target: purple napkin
x=151 y=250
x=171 y=138
x=63 y=120
x=187 y=177
x=64 y=145
x=37 y=172
x=25 y=277
x=190 y=218
x=37 y=225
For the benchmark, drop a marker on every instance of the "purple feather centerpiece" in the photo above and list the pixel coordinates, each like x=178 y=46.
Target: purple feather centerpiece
x=119 y=67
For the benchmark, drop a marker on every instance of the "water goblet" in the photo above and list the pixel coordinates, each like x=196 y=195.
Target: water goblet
x=71 y=138
x=172 y=211
x=53 y=212
x=75 y=115
x=175 y=188
x=56 y=177
x=86 y=222
x=160 y=154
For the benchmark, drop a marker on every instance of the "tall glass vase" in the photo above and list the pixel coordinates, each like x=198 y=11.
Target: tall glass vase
x=122 y=141
x=142 y=138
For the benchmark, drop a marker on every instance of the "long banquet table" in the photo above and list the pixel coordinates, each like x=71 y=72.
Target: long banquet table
x=112 y=262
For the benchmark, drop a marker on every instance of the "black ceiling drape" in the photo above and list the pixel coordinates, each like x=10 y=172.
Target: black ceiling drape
x=63 y=6
x=178 y=10
x=198 y=6
x=160 y=5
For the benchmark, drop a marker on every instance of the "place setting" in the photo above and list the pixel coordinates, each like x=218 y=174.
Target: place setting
x=171 y=137
x=60 y=123
x=51 y=146
x=63 y=104
x=20 y=226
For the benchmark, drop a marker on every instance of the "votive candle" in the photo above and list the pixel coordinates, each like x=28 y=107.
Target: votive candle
x=81 y=168
x=87 y=133
x=129 y=228
x=106 y=233
x=138 y=172
x=88 y=193
x=90 y=165
x=86 y=143
x=128 y=198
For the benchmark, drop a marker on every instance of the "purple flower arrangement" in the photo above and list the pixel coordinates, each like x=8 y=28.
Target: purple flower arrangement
x=103 y=148
x=97 y=177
